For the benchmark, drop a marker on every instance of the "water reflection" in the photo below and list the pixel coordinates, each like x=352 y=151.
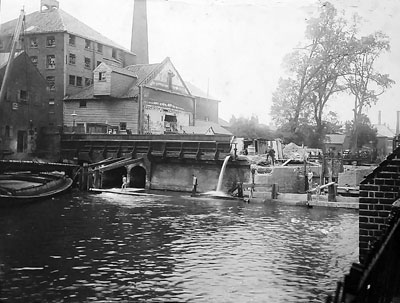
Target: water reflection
x=114 y=248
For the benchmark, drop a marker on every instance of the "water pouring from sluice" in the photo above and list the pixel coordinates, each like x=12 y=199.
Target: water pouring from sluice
x=218 y=193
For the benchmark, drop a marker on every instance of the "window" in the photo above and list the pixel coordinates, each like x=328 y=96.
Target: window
x=7 y=131
x=51 y=62
x=114 y=53
x=87 y=62
x=34 y=60
x=23 y=96
x=51 y=83
x=72 y=59
x=122 y=125
x=71 y=40
x=88 y=44
x=170 y=76
x=99 y=47
x=82 y=103
x=33 y=42
x=50 y=41
x=71 y=80
x=78 y=81
x=102 y=76
x=88 y=81
x=51 y=106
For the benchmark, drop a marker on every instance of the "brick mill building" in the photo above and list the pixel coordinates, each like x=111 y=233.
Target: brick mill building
x=65 y=51
x=23 y=111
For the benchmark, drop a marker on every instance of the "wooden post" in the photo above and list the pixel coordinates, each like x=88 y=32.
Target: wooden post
x=274 y=191
x=332 y=193
x=97 y=179
x=83 y=185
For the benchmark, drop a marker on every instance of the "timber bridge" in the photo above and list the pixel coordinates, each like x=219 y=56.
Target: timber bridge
x=96 y=147
x=163 y=162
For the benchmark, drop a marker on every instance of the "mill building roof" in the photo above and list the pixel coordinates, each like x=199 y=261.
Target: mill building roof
x=57 y=20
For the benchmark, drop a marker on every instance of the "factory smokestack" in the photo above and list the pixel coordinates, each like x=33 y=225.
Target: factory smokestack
x=379 y=118
x=397 y=123
x=139 y=42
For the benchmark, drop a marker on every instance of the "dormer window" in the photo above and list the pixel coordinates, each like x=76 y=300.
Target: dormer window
x=51 y=41
x=88 y=44
x=33 y=43
x=102 y=76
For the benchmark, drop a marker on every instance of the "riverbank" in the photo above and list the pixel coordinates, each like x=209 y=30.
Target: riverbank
x=318 y=201
x=284 y=198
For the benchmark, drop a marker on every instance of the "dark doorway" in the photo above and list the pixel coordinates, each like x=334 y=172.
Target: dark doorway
x=21 y=141
x=113 y=178
x=137 y=177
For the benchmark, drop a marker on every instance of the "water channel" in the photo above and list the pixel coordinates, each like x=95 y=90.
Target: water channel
x=173 y=248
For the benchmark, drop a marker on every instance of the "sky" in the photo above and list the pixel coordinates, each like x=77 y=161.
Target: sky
x=234 y=49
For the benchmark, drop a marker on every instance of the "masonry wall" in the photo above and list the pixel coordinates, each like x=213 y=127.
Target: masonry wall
x=378 y=191
x=178 y=177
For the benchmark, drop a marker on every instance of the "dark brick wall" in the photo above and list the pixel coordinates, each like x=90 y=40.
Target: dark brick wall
x=377 y=193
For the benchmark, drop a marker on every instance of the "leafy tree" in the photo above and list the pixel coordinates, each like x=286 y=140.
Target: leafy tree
x=332 y=61
x=363 y=81
x=250 y=128
x=366 y=133
x=315 y=68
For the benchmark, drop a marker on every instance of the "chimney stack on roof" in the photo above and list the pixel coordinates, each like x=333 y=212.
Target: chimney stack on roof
x=139 y=42
x=379 y=118
x=49 y=4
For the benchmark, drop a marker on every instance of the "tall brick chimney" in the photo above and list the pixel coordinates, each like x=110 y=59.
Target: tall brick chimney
x=398 y=123
x=139 y=42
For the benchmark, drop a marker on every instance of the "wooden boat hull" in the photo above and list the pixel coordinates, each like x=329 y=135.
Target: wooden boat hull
x=37 y=188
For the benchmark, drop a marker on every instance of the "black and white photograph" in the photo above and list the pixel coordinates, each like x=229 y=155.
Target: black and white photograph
x=198 y=151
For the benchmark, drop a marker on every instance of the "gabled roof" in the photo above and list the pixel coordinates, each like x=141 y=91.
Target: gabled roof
x=206 y=127
x=56 y=20
x=335 y=138
x=116 y=69
x=383 y=131
x=142 y=71
x=197 y=92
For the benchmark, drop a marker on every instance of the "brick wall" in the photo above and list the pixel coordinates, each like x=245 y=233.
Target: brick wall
x=377 y=193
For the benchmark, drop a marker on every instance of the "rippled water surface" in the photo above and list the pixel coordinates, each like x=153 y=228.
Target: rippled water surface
x=112 y=248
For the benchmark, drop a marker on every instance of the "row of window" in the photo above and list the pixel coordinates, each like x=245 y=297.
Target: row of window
x=51 y=42
x=78 y=81
x=51 y=61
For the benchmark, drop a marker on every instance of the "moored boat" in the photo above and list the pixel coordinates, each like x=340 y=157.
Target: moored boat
x=22 y=188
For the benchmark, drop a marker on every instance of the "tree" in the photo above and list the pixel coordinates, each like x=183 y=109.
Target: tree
x=332 y=61
x=316 y=68
x=363 y=81
x=366 y=134
x=249 y=128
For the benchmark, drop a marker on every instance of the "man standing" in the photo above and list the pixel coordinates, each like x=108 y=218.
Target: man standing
x=194 y=189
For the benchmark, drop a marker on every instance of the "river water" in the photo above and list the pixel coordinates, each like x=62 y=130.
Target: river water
x=114 y=248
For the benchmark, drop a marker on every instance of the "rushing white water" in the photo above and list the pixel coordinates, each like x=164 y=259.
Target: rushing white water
x=221 y=174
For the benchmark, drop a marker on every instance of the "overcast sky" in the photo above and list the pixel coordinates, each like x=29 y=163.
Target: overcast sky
x=234 y=48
